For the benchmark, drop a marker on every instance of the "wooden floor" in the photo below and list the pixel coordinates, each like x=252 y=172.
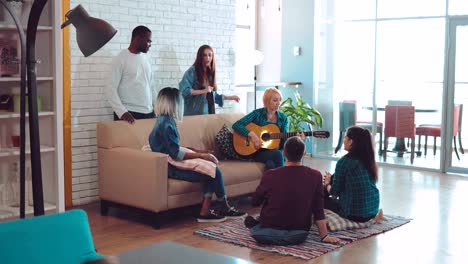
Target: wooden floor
x=437 y=203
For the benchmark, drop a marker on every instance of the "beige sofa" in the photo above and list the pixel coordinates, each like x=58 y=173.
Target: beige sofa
x=131 y=177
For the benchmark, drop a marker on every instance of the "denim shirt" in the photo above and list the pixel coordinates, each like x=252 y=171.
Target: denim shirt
x=196 y=104
x=164 y=138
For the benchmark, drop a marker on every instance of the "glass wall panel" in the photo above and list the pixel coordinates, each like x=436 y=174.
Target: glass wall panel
x=410 y=61
x=410 y=67
x=370 y=52
x=458 y=7
x=353 y=68
x=345 y=72
x=460 y=98
x=410 y=8
x=352 y=10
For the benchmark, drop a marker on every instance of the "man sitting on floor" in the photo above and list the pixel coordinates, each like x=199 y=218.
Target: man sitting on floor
x=290 y=196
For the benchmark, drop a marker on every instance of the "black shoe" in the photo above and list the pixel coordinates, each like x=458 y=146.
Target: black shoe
x=211 y=217
x=250 y=222
x=232 y=213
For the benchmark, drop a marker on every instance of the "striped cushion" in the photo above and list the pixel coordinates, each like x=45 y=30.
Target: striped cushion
x=337 y=223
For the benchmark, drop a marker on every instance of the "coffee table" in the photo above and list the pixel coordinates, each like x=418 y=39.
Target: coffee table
x=169 y=252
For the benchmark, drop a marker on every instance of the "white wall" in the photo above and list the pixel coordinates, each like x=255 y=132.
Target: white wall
x=179 y=27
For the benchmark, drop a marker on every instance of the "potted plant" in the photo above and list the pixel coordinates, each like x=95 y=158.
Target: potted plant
x=300 y=113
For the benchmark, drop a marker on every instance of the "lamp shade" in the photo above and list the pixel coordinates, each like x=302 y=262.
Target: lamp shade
x=91 y=33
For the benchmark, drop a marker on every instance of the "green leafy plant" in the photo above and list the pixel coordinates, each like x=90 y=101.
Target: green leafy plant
x=301 y=113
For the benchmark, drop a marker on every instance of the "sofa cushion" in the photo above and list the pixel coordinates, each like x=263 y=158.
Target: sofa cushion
x=199 y=131
x=122 y=134
x=235 y=171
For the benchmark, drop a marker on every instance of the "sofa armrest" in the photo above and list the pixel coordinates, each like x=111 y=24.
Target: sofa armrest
x=133 y=177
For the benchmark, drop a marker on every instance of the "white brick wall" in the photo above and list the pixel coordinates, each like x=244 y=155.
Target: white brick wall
x=179 y=27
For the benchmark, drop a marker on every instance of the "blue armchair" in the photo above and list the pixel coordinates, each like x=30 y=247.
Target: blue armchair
x=57 y=238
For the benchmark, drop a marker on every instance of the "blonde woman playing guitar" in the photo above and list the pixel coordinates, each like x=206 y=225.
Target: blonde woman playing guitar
x=269 y=114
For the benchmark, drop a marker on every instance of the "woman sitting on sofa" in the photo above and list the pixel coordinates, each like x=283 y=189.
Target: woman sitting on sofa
x=164 y=138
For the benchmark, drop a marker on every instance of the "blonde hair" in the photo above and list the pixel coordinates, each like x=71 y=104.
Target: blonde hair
x=170 y=102
x=269 y=92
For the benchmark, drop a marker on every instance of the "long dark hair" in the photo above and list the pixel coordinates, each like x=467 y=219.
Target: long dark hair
x=200 y=68
x=362 y=149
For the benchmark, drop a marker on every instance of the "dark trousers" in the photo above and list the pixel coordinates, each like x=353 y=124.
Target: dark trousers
x=137 y=115
x=272 y=158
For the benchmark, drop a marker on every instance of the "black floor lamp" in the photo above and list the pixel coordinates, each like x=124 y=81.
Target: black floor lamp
x=92 y=34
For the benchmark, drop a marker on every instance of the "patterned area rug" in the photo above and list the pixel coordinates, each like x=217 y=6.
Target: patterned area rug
x=236 y=233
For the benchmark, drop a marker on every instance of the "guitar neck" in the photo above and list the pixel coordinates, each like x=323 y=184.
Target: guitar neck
x=290 y=134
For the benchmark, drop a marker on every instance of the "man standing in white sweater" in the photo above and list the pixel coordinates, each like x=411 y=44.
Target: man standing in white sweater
x=129 y=90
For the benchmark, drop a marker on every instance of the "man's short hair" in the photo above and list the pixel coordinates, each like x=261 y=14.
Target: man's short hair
x=294 y=149
x=140 y=31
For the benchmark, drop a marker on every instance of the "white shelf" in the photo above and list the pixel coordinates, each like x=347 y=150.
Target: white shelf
x=15 y=151
x=13 y=211
x=4 y=115
x=17 y=79
x=49 y=88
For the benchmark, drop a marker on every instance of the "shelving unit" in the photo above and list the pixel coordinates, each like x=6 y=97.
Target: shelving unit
x=49 y=89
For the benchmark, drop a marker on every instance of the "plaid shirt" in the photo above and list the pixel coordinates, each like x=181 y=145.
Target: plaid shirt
x=358 y=194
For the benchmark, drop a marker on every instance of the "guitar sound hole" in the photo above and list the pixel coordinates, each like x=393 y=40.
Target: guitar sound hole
x=265 y=137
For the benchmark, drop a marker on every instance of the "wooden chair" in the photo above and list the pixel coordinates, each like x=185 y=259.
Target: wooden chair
x=399 y=123
x=347 y=119
x=435 y=131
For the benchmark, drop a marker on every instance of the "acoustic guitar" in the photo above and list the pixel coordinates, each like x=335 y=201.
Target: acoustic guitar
x=270 y=137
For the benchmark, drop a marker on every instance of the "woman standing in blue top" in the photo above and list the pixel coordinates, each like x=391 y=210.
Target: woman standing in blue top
x=199 y=87
x=164 y=138
x=269 y=114
x=355 y=178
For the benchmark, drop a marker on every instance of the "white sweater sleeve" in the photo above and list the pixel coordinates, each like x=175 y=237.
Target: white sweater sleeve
x=111 y=89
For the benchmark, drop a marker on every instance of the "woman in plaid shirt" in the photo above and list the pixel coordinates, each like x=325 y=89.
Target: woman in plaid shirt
x=353 y=186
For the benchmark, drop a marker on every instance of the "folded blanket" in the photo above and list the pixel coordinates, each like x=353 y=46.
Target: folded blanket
x=199 y=165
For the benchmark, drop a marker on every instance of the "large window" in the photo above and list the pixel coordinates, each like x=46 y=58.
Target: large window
x=373 y=51
x=244 y=47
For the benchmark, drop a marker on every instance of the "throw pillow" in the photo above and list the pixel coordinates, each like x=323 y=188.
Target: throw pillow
x=225 y=145
x=336 y=223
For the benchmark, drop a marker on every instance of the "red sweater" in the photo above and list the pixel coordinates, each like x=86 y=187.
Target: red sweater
x=291 y=195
